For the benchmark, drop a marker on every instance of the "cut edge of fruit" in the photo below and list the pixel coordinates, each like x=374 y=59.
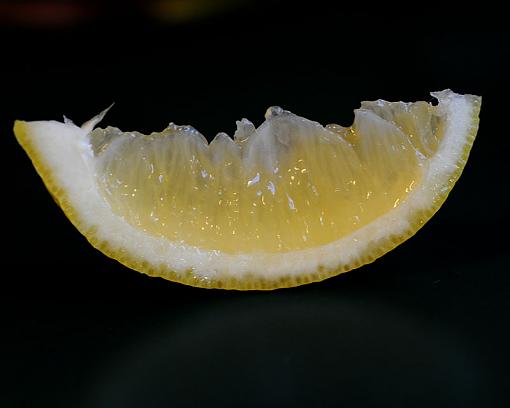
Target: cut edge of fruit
x=408 y=217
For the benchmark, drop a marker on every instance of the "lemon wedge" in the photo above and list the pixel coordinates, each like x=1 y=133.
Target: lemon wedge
x=284 y=204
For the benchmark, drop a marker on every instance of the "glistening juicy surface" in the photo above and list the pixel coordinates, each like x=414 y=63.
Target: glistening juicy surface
x=288 y=185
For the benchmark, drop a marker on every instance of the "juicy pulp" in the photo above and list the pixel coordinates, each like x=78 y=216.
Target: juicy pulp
x=289 y=185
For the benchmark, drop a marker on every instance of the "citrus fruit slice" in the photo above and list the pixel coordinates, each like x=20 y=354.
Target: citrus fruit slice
x=287 y=203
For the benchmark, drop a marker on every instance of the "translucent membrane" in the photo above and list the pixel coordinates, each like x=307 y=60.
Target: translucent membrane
x=291 y=184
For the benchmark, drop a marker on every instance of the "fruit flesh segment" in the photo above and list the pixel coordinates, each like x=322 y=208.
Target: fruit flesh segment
x=289 y=185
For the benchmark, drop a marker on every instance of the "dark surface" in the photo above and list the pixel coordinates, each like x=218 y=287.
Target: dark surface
x=424 y=326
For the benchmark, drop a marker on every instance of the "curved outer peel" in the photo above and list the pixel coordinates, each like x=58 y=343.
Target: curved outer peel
x=61 y=155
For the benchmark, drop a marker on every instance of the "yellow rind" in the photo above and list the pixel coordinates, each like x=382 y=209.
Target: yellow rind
x=21 y=131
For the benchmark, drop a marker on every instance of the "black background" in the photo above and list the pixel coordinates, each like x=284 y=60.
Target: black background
x=426 y=325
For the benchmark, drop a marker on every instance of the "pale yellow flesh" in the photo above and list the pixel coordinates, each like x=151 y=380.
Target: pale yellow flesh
x=292 y=203
x=324 y=185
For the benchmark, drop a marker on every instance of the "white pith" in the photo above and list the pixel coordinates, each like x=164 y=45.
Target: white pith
x=64 y=150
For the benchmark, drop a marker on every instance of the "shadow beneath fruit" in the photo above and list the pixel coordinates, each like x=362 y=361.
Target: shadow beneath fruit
x=289 y=349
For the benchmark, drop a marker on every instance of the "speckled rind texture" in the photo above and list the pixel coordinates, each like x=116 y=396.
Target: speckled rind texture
x=256 y=271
